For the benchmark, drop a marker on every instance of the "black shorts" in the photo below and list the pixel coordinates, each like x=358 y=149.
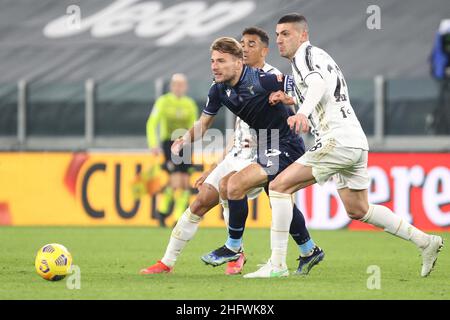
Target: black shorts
x=276 y=159
x=169 y=164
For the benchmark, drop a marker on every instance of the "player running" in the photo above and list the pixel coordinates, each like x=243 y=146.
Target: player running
x=255 y=47
x=208 y=197
x=340 y=151
x=243 y=90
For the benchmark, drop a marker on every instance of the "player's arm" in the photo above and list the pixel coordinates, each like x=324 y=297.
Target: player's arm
x=286 y=96
x=199 y=128
x=152 y=124
x=291 y=101
x=316 y=89
x=279 y=85
x=194 y=133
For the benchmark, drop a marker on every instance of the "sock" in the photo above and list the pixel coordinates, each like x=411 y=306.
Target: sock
x=383 y=217
x=226 y=211
x=282 y=212
x=234 y=244
x=184 y=231
x=165 y=200
x=238 y=212
x=300 y=234
x=306 y=249
x=226 y=218
x=181 y=202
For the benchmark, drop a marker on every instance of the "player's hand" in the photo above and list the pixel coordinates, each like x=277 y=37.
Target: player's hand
x=298 y=123
x=177 y=145
x=280 y=96
x=276 y=97
x=288 y=100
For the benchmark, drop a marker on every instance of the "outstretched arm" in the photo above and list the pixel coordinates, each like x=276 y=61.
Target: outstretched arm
x=199 y=128
x=195 y=132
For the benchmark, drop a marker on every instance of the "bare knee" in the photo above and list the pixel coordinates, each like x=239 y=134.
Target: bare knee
x=206 y=199
x=234 y=189
x=278 y=185
x=223 y=189
x=357 y=211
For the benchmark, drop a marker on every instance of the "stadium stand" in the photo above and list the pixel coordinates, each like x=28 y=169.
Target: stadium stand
x=125 y=46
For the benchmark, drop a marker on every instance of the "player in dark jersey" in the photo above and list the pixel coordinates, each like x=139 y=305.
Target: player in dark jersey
x=254 y=44
x=245 y=91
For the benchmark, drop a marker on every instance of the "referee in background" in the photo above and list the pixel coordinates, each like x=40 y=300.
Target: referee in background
x=173 y=110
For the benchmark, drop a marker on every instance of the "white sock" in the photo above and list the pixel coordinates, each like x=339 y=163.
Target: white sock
x=184 y=231
x=226 y=211
x=383 y=217
x=282 y=207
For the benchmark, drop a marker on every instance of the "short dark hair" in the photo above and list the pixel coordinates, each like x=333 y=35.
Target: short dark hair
x=291 y=18
x=228 y=45
x=257 y=32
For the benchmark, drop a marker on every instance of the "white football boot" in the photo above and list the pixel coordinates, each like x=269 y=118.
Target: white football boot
x=268 y=270
x=430 y=254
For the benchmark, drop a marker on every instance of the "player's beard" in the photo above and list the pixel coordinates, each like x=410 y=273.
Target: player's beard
x=229 y=80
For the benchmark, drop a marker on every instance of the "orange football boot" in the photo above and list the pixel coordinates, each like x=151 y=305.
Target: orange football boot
x=158 y=267
x=235 y=267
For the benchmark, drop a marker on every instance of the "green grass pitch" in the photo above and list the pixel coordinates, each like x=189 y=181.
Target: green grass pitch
x=110 y=258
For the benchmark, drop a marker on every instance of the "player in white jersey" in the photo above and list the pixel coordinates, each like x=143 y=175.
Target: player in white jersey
x=238 y=156
x=340 y=151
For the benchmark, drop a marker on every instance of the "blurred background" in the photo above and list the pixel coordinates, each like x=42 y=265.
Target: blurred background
x=65 y=85
x=82 y=76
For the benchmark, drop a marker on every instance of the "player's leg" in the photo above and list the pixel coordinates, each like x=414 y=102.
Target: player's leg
x=182 y=193
x=185 y=229
x=309 y=253
x=295 y=177
x=232 y=267
x=352 y=184
x=357 y=206
x=223 y=193
x=239 y=184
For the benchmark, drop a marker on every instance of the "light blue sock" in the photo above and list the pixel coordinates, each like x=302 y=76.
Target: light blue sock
x=234 y=244
x=307 y=247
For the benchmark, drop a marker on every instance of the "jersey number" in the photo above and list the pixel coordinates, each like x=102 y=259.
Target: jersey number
x=340 y=83
x=317 y=146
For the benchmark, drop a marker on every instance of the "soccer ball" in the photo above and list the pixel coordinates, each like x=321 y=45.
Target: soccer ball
x=53 y=262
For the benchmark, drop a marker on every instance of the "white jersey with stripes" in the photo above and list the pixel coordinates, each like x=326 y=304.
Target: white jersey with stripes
x=333 y=117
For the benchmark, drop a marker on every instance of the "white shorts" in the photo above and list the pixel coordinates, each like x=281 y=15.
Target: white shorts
x=229 y=164
x=347 y=165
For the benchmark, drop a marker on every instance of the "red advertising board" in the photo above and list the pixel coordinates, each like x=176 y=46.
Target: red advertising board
x=413 y=185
